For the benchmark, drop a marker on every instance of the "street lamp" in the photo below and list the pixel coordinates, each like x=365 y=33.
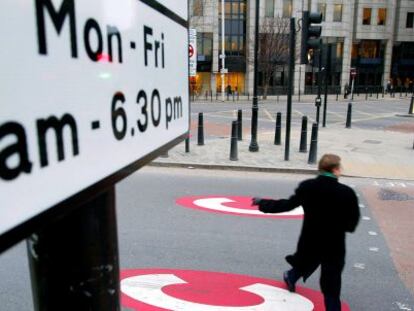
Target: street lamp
x=254 y=147
x=223 y=52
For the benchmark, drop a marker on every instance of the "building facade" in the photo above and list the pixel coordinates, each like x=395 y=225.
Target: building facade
x=374 y=37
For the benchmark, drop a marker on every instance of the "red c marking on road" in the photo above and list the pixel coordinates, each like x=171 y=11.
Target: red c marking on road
x=234 y=205
x=186 y=290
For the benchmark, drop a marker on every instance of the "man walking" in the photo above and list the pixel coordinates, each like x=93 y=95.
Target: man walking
x=331 y=209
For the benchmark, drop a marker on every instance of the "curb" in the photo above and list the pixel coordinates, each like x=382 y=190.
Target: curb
x=303 y=171
x=405 y=115
x=235 y=168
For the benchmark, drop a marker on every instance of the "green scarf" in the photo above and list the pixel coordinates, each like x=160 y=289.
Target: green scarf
x=327 y=174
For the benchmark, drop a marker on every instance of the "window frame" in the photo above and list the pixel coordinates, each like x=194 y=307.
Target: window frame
x=378 y=17
x=341 y=14
x=363 y=16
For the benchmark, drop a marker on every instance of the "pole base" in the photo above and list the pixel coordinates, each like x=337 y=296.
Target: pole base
x=253 y=147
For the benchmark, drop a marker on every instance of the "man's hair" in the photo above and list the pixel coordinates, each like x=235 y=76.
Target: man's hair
x=329 y=162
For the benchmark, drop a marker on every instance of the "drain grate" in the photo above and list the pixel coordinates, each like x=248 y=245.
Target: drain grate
x=390 y=195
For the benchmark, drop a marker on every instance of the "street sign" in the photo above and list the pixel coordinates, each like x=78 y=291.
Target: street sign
x=353 y=72
x=234 y=205
x=89 y=93
x=224 y=70
x=187 y=290
x=192 y=51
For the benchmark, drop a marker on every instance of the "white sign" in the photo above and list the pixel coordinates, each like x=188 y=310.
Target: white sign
x=192 y=51
x=86 y=89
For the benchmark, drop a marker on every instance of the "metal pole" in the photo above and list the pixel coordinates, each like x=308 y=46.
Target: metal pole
x=290 y=85
x=313 y=151
x=74 y=261
x=233 y=142
x=223 y=52
x=278 y=129
x=318 y=100
x=349 y=116
x=254 y=147
x=300 y=79
x=352 y=87
x=239 y=125
x=327 y=77
x=304 y=135
x=200 y=136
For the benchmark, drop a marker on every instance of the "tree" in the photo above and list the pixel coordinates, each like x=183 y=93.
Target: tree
x=273 y=50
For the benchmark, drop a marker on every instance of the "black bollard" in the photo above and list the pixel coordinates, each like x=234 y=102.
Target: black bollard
x=349 y=116
x=410 y=110
x=314 y=144
x=337 y=95
x=187 y=144
x=200 y=137
x=304 y=135
x=248 y=96
x=278 y=130
x=211 y=96
x=233 y=142
x=239 y=125
x=383 y=92
x=366 y=94
x=377 y=93
x=234 y=96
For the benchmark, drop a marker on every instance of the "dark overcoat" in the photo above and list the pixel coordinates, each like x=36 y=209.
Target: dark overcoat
x=330 y=210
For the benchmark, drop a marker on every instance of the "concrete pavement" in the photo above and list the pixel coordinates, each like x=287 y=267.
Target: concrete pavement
x=364 y=152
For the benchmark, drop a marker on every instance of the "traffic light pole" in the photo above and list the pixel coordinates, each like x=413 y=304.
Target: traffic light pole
x=290 y=85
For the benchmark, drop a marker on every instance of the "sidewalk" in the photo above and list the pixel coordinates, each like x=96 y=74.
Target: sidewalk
x=364 y=153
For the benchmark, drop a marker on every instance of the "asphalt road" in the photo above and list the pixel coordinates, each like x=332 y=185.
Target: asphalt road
x=154 y=232
x=372 y=114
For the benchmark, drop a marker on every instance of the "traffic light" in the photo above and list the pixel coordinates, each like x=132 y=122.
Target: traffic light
x=311 y=34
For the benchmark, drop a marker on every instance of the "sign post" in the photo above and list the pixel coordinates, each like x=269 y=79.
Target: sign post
x=353 y=76
x=89 y=94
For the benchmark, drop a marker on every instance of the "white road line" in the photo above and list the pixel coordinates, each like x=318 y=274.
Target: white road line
x=302 y=114
x=359 y=266
x=361 y=205
x=268 y=114
x=374 y=249
x=373 y=233
x=366 y=218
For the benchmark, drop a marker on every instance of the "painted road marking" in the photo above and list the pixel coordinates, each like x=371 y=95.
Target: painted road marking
x=361 y=205
x=360 y=266
x=374 y=249
x=366 y=218
x=186 y=290
x=372 y=233
x=232 y=205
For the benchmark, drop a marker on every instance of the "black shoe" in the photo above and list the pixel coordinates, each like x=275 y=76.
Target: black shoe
x=289 y=282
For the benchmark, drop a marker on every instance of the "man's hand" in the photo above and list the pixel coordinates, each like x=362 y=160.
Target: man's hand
x=256 y=201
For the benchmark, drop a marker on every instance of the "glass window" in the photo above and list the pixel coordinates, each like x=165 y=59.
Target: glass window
x=339 y=49
x=337 y=17
x=382 y=16
x=410 y=20
x=287 y=8
x=322 y=9
x=204 y=43
x=198 y=8
x=366 y=16
x=269 y=8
